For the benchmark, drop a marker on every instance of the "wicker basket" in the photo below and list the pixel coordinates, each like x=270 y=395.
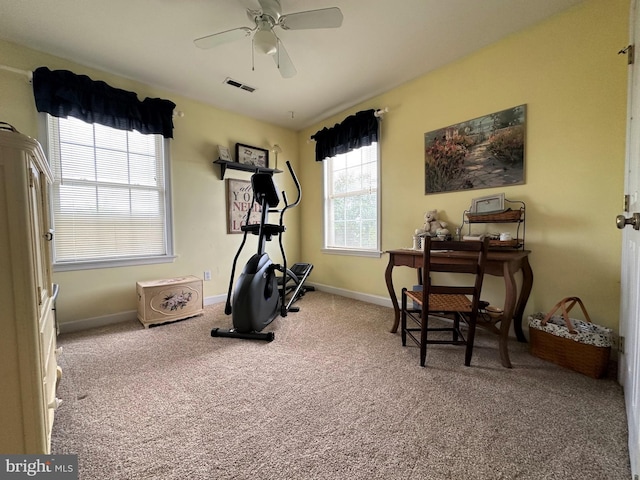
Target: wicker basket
x=496 y=217
x=561 y=340
x=496 y=243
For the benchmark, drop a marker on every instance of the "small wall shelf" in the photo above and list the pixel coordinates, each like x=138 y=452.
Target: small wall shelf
x=224 y=164
x=515 y=214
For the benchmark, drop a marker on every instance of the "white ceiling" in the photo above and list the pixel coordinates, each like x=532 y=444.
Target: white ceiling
x=381 y=44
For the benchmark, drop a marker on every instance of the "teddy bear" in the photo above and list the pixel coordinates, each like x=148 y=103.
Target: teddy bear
x=433 y=226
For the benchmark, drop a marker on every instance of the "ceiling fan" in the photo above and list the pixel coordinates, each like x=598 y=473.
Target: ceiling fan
x=267 y=15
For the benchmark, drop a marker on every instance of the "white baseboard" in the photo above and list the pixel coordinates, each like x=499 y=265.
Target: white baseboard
x=377 y=300
x=215 y=299
x=364 y=297
x=87 y=323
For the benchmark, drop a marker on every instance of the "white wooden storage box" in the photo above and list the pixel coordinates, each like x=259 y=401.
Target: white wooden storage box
x=161 y=301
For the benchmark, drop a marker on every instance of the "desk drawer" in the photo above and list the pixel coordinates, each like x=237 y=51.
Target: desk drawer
x=409 y=259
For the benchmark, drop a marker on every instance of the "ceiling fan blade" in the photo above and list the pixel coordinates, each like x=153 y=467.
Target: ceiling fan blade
x=253 y=8
x=221 y=38
x=323 y=18
x=283 y=62
x=271 y=8
x=253 y=5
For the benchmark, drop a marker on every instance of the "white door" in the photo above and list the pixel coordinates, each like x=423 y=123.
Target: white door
x=629 y=361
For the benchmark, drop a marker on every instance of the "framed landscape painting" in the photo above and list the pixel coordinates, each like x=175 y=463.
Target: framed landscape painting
x=483 y=152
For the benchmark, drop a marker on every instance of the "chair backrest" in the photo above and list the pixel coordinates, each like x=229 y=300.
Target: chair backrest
x=462 y=257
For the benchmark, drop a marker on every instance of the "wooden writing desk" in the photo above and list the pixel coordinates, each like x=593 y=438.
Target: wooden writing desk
x=502 y=263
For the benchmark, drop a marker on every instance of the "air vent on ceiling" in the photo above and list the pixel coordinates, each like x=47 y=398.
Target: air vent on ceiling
x=235 y=83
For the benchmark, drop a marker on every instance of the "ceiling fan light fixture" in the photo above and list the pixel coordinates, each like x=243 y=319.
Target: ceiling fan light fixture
x=266 y=42
x=267 y=15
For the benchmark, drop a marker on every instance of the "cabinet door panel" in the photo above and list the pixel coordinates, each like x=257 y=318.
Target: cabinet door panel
x=39 y=229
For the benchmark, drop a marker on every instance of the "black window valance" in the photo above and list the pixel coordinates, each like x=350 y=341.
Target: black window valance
x=355 y=131
x=62 y=93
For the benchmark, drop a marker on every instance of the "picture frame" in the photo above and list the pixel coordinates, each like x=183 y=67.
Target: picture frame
x=484 y=152
x=254 y=156
x=239 y=196
x=488 y=204
x=224 y=153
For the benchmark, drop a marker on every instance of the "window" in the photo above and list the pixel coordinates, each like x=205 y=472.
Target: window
x=110 y=197
x=351 y=218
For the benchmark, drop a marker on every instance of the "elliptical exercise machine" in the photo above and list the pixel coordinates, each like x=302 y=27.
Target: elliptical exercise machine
x=260 y=294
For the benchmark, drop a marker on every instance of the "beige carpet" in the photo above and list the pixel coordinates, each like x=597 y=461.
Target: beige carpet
x=335 y=396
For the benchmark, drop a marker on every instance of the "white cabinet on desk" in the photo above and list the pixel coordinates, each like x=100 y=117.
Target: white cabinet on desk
x=28 y=365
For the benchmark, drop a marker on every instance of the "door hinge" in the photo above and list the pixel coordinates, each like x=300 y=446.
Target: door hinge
x=621 y=345
x=630 y=51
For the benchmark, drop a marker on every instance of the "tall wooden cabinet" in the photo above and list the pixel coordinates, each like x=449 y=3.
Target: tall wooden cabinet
x=28 y=366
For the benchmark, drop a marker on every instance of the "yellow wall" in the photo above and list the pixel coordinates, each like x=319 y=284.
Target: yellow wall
x=567 y=71
x=201 y=241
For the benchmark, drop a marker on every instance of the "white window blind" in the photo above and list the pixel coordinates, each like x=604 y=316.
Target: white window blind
x=351 y=200
x=109 y=198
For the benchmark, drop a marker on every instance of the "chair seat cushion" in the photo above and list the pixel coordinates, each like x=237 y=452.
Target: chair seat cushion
x=442 y=303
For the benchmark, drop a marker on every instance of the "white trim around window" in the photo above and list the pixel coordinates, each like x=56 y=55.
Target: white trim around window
x=111 y=197
x=351 y=226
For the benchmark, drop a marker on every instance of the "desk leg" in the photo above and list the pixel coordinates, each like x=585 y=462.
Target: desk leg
x=527 y=284
x=509 y=308
x=392 y=294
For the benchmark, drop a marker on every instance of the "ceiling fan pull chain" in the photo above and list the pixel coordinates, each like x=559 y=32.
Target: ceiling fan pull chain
x=253 y=54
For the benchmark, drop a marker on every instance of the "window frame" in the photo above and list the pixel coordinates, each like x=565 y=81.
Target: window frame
x=134 y=260
x=357 y=252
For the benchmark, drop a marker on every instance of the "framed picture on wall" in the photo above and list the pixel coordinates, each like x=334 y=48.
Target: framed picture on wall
x=239 y=196
x=254 y=156
x=483 y=152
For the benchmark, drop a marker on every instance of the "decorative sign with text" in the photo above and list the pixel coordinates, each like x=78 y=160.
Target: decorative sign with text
x=239 y=196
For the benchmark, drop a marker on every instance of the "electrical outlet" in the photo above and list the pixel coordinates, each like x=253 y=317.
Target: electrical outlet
x=207 y=275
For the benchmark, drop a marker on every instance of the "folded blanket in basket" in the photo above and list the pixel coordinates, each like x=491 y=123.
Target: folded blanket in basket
x=587 y=333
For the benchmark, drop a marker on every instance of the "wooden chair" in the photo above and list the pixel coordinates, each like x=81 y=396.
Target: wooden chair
x=458 y=298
